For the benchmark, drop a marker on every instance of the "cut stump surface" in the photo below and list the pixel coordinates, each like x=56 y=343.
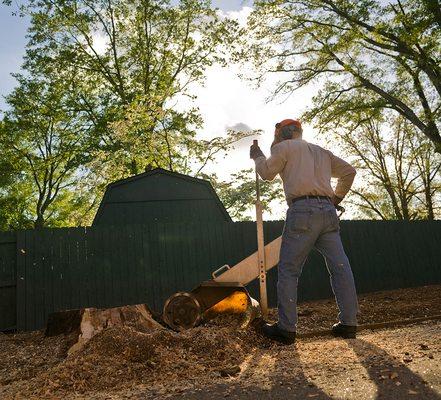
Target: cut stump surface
x=85 y=323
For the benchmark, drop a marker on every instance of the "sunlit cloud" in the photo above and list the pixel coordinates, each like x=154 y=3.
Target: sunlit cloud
x=240 y=127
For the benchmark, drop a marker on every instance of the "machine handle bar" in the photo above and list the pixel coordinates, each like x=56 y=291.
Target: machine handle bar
x=222 y=269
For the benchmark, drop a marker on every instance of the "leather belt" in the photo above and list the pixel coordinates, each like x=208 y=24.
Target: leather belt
x=310 y=197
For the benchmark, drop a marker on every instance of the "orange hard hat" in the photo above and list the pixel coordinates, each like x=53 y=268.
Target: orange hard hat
x=287 y=122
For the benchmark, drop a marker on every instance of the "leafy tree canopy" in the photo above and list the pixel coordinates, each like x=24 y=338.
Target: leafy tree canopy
x=104 y=93
x=367 y=55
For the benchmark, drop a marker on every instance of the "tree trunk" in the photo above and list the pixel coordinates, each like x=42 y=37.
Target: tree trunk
x=429 y=202
x=39 y=222
x=393 y=199
x=85 y=323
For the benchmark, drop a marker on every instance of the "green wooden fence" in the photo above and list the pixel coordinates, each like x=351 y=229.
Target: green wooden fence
x=55 y=269
x=7 y=281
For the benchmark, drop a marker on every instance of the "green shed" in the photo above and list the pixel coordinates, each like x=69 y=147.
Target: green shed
x=160 y=196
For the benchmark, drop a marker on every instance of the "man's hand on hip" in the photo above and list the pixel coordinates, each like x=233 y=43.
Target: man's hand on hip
x=255 y=151
x=336 y=200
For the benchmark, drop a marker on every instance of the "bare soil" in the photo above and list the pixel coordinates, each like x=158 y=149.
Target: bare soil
x=397 y=364
x=217 y=360
x=374 y=307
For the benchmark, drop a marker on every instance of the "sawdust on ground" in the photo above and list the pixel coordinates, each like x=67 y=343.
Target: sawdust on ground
x=391 y=364
x=374 y=307
x=35 y=366
x=123 y=360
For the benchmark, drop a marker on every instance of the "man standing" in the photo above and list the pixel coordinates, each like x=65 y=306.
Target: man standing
x=311 y=222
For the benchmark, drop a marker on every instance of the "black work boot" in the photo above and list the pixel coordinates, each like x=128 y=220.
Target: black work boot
x=344 y=331
x=280 y=335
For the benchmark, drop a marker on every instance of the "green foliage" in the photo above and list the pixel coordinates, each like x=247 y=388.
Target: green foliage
x=15 y=194
x=398 y=174
x=143 y=57
x=47 y=138
x=239 y=194
x=377 y=66
x=385 y=54
x=104 y=94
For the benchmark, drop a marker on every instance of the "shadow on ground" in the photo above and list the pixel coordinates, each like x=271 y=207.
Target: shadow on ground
x=380 y=365
x=383 y=370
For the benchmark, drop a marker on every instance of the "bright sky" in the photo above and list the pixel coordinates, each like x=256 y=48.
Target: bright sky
x=225 y=100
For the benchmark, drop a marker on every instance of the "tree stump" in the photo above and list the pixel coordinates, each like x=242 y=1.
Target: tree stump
x=85 y=323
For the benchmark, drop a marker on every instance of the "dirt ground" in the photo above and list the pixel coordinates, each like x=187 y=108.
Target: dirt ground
x=394 y=364
x=374 y=307
x=217 y=361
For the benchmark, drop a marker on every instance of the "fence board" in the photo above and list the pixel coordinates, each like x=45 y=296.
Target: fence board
x=21 y=281
x=99 y=265
x=8 y=244
x=95 y=251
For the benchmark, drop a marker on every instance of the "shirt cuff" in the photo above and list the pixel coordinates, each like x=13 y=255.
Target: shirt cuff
x=340 y=194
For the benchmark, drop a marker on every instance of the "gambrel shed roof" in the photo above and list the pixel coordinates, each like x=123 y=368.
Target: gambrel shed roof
x=159 y=196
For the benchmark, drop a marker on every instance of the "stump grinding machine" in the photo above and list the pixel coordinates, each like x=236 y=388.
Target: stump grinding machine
x=226 y=293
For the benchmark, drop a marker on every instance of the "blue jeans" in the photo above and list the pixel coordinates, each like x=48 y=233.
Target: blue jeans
x=313 y=223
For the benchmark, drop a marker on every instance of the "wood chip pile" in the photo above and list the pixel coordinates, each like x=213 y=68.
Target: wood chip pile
x=121 y=356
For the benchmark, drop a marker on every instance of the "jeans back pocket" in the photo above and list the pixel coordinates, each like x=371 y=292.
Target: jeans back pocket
x=333 y=220
x=299 y=221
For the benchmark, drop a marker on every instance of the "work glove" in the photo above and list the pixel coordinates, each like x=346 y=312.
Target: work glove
x=336 y=200
x=255 y=151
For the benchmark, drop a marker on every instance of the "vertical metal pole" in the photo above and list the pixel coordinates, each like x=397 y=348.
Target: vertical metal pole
x=261 y=251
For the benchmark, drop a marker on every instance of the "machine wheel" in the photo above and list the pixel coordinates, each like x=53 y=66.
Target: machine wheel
x=182 y=311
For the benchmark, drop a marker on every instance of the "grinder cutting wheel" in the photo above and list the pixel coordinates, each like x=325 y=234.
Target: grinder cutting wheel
x=225 y=293
x=210 y=299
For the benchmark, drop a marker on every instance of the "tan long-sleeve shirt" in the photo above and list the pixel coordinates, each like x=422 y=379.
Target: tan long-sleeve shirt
x=306 y=169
